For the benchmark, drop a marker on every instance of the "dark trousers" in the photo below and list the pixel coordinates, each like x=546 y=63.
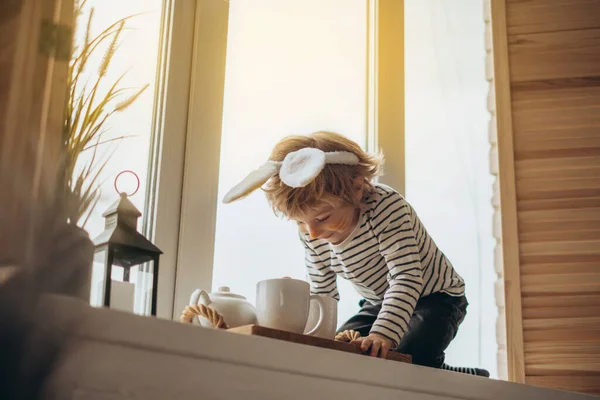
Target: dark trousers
x=432 y=327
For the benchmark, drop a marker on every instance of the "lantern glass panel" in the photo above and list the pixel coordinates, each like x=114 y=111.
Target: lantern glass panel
x=143 y=289
x=98 y=274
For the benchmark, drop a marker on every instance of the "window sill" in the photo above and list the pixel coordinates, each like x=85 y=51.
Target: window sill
x=120 y=356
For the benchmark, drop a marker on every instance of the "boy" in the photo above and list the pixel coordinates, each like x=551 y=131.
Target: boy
x=367 y=233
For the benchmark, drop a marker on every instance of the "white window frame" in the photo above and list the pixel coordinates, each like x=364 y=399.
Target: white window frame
x=184 y=155
x=165 y=166
x=194 y=252
x=202 y=152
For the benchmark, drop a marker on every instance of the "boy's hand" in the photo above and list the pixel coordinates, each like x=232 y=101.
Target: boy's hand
x=379 y=345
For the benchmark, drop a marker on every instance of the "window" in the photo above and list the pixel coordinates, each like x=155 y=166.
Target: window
x=136 y=57
x=293 y=67
x=301 y=66
x=449 y=183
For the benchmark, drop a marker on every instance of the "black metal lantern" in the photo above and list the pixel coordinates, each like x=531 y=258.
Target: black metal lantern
x=123 y=246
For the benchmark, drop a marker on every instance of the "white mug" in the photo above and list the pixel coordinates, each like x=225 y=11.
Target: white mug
x=328 y=327
x=284 y=304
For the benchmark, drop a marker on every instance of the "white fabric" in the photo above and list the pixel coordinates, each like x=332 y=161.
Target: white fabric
x=341 y=157
x=301 y=167
x=298 y=169
x=254 y=180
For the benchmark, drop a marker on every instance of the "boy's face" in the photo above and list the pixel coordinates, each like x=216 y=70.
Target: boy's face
x=328 y=222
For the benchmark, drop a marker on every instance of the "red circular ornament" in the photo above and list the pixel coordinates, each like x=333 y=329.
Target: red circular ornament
x=136 y=177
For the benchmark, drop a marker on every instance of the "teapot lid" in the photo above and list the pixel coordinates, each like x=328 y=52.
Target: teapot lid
x=224 y=291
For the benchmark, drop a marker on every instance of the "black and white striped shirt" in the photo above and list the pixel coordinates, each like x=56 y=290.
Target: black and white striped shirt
x=389 y=258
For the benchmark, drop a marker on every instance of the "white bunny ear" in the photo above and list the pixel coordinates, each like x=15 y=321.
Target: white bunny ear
x=253 y=181
x=297 y=169
x=301 y=167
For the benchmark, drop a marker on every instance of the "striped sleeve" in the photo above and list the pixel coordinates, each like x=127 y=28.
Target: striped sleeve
x=397 y=243
x=317 y=258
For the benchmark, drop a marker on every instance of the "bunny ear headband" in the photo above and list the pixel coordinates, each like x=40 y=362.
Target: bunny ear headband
x=297 y=169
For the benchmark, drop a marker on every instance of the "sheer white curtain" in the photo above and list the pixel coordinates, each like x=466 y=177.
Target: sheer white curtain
x=448 y=180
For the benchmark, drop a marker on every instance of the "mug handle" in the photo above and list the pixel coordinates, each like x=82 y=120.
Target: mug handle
x=321 y=305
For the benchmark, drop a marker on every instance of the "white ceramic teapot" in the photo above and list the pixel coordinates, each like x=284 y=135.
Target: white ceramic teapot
x=234 y=308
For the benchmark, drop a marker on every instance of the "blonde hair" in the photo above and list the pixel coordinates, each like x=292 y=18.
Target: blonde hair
x=335 y=185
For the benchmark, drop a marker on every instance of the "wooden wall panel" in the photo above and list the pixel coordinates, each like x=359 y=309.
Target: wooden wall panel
x=505 y=219
x=501 y=339
x=532 y=16
x=554 y=55
x=554 y=79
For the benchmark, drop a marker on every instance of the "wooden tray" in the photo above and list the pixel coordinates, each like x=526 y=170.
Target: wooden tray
x=311 y=341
